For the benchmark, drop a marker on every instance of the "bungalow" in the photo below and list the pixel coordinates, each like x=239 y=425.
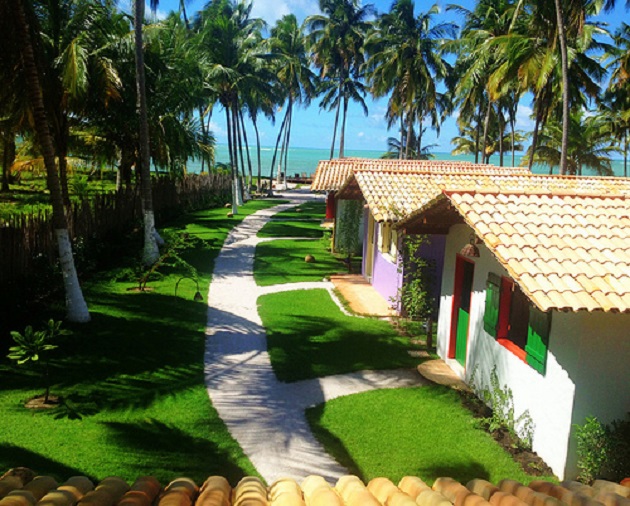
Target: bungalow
x=330 y=175
x=392 y=192
x=536 y=287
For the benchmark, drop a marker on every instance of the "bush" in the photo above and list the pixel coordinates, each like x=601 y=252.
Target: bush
x=603 y=450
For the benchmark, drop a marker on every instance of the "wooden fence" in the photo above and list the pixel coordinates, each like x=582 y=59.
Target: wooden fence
x=27 y=242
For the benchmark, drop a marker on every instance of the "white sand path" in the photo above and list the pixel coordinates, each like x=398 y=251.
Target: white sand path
x=264 y=415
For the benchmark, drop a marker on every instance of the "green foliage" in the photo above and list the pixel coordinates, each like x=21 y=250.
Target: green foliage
x=80 y=186
x=423 y=431
x=172 y=258
x=592 y=448
x=347 y=240
x=35 y=345
x=603 y=450
x=503 y=417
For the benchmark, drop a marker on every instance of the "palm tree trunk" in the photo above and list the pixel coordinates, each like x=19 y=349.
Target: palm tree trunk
x=257 y=151
x=8 y=159
x=62 y=151
x=249 y=158
x=203 y=134
x=478 y=133
x=512 y=126
x=286 y=154
x=409 y=133
x=228 y=123
x=150 y=253
x=402 y=134
x=625 y=153
x=75 y=303
x=486 y=128
x=332 y=146
x=565 y=88
x=501 y=132
x=237 y=187
x=535 y=138
x=239 y=138
x=275 y=152
x=342 y=134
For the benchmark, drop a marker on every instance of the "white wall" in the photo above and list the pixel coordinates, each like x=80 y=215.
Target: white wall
x=588 y=358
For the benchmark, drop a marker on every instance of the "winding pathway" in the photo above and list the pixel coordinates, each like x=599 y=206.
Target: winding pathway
x=263 y=414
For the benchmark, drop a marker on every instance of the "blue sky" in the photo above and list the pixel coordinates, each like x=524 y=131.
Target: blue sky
x=312 y=127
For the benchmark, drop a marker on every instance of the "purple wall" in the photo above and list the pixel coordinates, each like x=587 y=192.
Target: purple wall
x=386 y=279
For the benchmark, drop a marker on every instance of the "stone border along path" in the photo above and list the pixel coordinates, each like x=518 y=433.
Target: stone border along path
x=263 y=414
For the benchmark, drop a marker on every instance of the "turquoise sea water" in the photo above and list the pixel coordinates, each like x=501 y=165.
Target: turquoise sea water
x=304 y=160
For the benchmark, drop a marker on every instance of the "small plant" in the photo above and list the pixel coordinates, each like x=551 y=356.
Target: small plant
x=80 y=186
x=172 y=258
x=34 y=346
x=503 y=417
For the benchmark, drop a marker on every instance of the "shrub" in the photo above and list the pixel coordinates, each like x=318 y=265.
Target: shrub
x=603 y=451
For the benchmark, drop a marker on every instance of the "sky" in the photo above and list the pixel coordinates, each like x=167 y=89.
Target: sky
x=312 y=127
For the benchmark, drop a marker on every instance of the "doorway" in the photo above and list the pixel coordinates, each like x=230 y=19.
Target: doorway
x=460 y=316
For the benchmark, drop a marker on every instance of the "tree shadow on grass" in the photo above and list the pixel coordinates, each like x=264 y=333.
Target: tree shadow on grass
x=141 y=347
x=332 y=443
x=167 y=450
x=16 y=456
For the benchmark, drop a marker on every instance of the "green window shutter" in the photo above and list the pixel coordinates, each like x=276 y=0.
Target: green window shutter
x=538 y=339
x=491 y=313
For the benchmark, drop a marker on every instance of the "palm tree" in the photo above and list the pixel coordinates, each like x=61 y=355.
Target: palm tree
x=336 y=40
x=590 y=145
x=18 y=26
x=617 y=98
x=405 y=60
x=287 y=46
x=529 y=57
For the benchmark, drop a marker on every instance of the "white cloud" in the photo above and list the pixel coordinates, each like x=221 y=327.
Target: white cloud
x=361 y=134
x=216 y=129
x=272 y=10
x=523 y=118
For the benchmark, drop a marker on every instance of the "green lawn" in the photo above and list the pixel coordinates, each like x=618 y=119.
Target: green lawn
x=132 y=380
x=309 y=337
x=424 y=432
x=308 y=210
x=282 y=261
x=288 y=228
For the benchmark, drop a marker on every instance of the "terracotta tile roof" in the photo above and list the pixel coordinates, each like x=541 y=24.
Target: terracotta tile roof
x=19 y=487
x=332 y=174
x=566 y=251
x=395 y=195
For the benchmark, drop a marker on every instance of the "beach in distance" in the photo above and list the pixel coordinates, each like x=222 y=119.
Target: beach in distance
x=304 y=160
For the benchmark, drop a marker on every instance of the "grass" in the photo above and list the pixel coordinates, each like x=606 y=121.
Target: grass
x=277 y=228
x=132 y=380
x=309 y=337
x=282 y=261
x=306 y=211
x=424 y=432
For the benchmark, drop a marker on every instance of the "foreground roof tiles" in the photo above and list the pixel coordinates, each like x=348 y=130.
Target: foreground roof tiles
x=567 y=252
x=20 y=487
x=332 y=174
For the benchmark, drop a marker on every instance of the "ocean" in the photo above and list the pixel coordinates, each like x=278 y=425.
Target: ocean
x=304 y=160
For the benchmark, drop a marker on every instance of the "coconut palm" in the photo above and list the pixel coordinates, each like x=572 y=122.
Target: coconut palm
x=287 y=47
x=336 y=39
x=18 y=32
x=405 y=60
x=590 y=145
